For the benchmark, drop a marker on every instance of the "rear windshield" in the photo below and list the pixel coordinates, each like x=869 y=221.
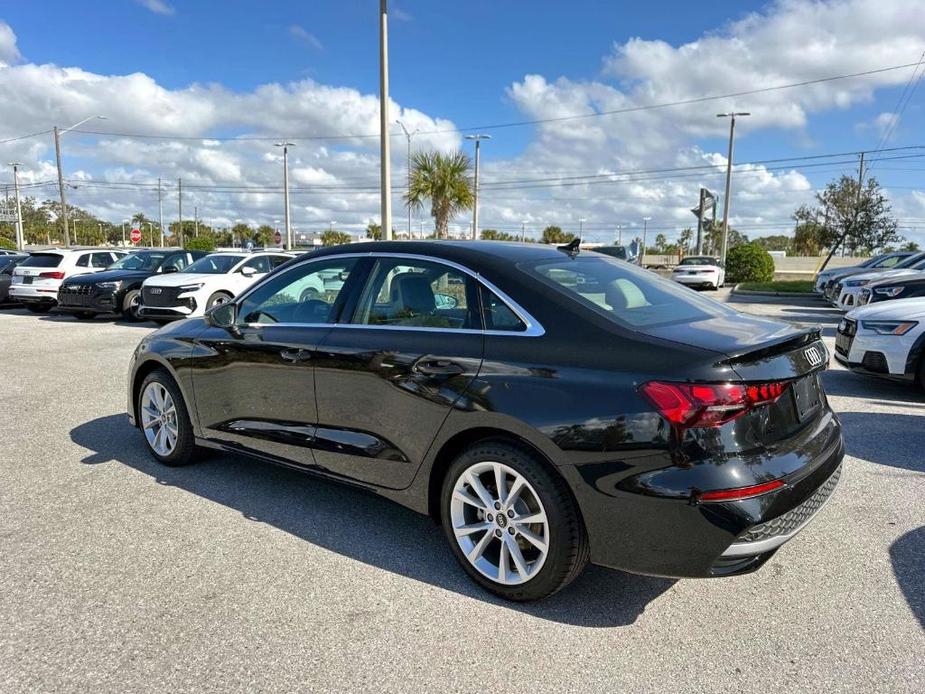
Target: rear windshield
x=911 y=261
x=139 y=261
x=627 y=295
x=214 y=264
x=43 y=260
x=691 y=260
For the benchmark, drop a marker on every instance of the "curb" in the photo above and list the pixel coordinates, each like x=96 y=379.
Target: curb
x=796 y=295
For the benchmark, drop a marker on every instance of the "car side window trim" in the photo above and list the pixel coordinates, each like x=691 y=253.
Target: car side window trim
x=533 y=326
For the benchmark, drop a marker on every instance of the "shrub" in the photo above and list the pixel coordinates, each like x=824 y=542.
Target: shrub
x=7 y=244
x=749 y=263
x=200 y=243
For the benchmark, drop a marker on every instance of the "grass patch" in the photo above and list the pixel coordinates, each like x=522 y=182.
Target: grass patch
x=787 y=286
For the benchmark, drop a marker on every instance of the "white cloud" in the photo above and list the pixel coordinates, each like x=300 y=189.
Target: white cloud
x=399 y=14
x=157 y=6
x=305 y=35
x=9 y=53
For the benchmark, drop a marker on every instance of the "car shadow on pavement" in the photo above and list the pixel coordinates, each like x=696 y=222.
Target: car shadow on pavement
x=380 y=533
x=908 y=557
x=843 y=383
x=885 y=439
x=104 y=318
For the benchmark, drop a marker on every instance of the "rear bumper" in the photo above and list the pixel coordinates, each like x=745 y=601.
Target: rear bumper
x=32 y=294
x=677 y=537
x=696 y=280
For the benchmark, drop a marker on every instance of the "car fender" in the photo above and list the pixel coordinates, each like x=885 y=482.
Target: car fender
x=163 y=351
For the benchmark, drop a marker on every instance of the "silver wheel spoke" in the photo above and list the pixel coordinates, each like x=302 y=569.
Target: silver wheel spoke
x=533 y=539
x=516 y=488
x=480 y=490
x=473 y=528
x=500 y=483
x=503 y=560
x=529 y=519
x=464 y=496
x=517 y=556
x=480 y=547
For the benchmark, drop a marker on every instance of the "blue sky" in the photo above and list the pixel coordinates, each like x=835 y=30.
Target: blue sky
x=464 y=62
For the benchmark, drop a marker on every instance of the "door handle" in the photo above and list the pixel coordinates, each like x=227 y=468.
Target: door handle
x=295 y=355
x=438 y=367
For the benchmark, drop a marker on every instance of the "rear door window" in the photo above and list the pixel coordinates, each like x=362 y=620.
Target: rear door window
x=101 y=260
x=83 y=261
x=498 y=315
x=261 y=264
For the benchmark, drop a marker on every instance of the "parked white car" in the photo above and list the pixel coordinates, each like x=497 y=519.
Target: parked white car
x=36 y=281
x=700 y=271
x=213 y=280
x=884 y=339
x=848 y=289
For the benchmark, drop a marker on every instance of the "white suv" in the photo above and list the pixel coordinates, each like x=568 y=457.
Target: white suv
x=213 y=280
x=36 y=280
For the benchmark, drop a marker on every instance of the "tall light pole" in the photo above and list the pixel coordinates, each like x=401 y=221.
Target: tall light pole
x=422 y=229
x=160 y=212
x=475 y=192
x=645 y=230
x=732 y=128
x=180 y=212
x=619 y=234
x=20 y=235
x=123 y=231
x=286 y=146
x=581 y=226
x=58 y=133
x=385 y=172
x=101 y=229
x=408 y=134
x=195 y=220
x=523 y=231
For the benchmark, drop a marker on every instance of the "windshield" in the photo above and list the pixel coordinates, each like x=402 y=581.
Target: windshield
x=43 y=260
x=625 y=294
x=216 y=264
x=145 y=260
x=699 y=260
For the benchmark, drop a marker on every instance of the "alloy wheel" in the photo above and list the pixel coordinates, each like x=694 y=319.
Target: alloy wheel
x=499 y=523
x=159 y=419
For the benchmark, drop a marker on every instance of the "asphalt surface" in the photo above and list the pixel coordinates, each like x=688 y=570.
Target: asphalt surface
x=117 y=574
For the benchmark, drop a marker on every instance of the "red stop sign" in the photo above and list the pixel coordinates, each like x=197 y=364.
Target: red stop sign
x=136 y=236
x=278 y=238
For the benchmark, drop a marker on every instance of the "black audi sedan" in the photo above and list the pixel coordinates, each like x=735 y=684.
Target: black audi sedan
x=118 y=288
x=548 y=406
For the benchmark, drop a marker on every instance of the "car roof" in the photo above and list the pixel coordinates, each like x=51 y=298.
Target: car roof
x=458 y=251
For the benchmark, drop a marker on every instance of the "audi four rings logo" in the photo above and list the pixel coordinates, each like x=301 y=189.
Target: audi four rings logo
x=156 y=290
x=813 y=356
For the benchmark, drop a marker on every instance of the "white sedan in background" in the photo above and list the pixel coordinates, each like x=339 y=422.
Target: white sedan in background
x=213 y=280
x=700 y=271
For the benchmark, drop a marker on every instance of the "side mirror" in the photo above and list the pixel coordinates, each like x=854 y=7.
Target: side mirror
x=248 y=271
x=168 y=270
x=222 y=316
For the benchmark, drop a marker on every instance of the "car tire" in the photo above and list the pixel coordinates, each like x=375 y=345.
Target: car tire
x=130 y=304
x=164 y=420
x=218 y=298
x=921 y=372
x=38 y=308
x=541 y=495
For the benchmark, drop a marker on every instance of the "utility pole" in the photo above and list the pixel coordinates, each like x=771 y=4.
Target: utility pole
x=67 y=233
x=160 y=211
x=408 y=135
x=854 y=220
x=20 y=235
x=523 y=231
x=286 y=146
x=700 y=221
x=195 y=221
x=422 y=229
x=732 y=127
x=475 y=192
x=645 y=230
x=581 y=226
x=619 y=234
x=385 y=173
x=123 y=233
x=180 y=212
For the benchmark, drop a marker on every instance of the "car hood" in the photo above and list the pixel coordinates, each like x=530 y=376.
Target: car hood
x=841 y=272
x=898 y=309
x=732 y=335
x=882 y=274
x=908 y=278
x=108 y=276
x=178 y=279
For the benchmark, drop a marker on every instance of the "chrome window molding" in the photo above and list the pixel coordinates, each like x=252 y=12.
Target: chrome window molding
x=533 y=326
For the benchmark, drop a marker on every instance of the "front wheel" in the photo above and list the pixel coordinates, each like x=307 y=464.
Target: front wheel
x=218 y=298
x=511 y=523
x=164 y=420
x=130 y=305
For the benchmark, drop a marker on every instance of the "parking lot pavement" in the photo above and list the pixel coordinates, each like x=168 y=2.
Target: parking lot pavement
x=117 y=574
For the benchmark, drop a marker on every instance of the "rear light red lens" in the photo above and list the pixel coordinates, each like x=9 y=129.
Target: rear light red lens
x=57 y=275
x=741 y=492
x=695 y=405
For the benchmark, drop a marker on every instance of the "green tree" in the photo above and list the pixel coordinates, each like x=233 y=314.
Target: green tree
x=7 y=244
x=495 y=235
x=809 y=238
x=660 y=242
x=264 y=236
x=330 y=237
x=775 y=242
x=909 y=246
x=861 y=217
x=554 y=234
x=749 y=262
x=713 y=238
x=374 y=231
x=685 y=239
x=443 y=179
x=203 y=242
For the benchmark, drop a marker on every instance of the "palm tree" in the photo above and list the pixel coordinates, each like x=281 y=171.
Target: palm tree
x=444 y=180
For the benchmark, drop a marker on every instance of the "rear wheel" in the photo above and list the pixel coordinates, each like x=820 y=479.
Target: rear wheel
x=511 y=523
x=130 y=305
x=921 y=374
x=164 y=420
x=39 y=308
x=218 y=298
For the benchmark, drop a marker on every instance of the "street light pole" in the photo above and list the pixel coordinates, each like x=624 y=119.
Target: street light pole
x=20 y=234
x=645 y=230
x=408 y=135
x=58 y=133
x=385 y=172
x=619 y=234
x=523 y=231
x=123 y=233
x=732 y=127
x=581 y=226
x=195 y=220
x=160 y=212
x=286 y=146
x=475 y=192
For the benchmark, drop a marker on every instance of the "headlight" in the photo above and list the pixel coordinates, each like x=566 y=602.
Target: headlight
x=856 y=283
x=109 y=285
x=191 y=287
x=889 y=291
x=888 y=327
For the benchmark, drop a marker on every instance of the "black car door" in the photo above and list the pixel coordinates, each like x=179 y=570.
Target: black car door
x=254 y=386
x=388 y=374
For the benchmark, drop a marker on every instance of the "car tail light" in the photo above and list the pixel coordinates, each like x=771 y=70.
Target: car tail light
x=740 y=492
x=696 y=405
x=56 y=275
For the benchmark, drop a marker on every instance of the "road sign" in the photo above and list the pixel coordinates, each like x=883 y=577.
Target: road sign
x=278 y=238
x=8 y=217
x=136 y=236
